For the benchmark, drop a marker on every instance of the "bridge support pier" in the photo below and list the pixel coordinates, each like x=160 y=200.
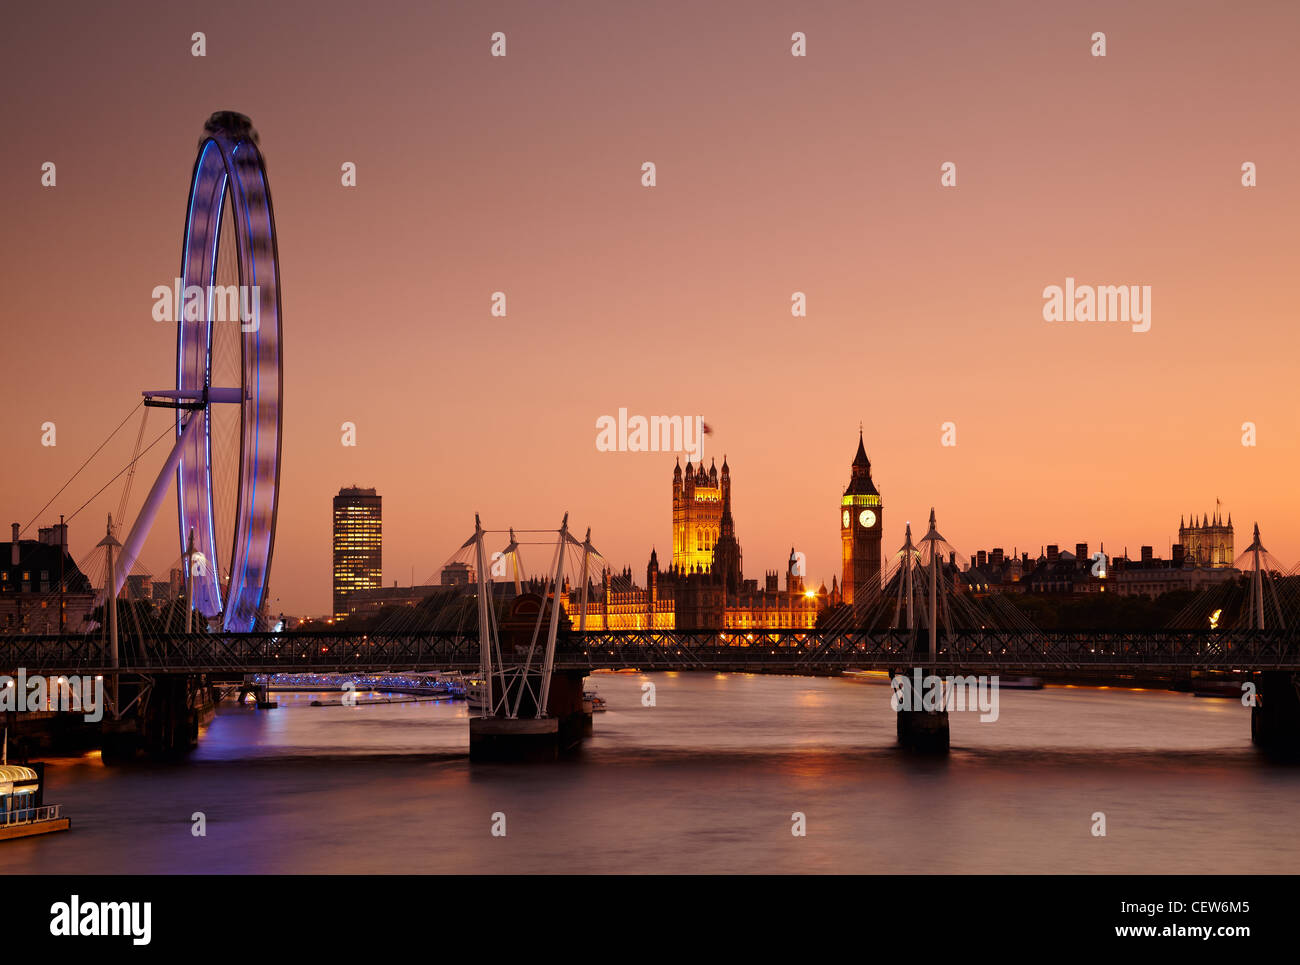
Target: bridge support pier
x=120 y=740
x=1275 y=718
x=513 y=738
x=919 y=730
x=163 y=722
x=567 y=706
x=567 y=722
x=923 y=731
x=261 y=695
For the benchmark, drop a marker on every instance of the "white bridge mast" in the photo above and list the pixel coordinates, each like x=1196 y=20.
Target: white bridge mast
x=506 y=683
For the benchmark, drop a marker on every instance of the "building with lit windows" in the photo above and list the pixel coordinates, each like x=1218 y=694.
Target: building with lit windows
x=697 y=515
x=704 y=586
x=862 y=522
x=358 y=545
x=42 y=590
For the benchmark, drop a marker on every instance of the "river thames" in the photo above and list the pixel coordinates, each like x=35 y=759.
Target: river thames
x=706 y=780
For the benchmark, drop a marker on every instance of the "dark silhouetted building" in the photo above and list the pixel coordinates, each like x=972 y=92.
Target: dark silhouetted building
x=42 y=590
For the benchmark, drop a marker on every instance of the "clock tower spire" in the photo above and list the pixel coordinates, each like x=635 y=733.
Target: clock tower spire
x=861 y=526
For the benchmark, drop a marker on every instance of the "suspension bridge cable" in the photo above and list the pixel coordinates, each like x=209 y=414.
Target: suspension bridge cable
x=160 y=438
x=83 y=466
x=135 y=454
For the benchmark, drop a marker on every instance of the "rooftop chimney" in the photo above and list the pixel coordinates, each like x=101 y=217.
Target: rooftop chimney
x=13 y=548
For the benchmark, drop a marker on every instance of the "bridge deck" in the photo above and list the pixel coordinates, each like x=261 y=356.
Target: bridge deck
x=796 y=651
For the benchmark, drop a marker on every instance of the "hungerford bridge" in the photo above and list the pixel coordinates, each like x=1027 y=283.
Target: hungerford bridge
x=227 y=405
x=531 y=669
x=169 y=675
x=917 y=594
x=759 y=651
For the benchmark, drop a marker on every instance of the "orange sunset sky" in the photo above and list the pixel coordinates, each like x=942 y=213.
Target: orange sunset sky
x=775 y=174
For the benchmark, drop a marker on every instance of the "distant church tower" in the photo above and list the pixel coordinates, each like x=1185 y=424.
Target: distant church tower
x=861 y=525
x=1208 y=541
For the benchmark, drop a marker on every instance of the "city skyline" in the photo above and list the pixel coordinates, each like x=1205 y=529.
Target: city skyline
x=742 y=438
x=924 y=302
x=1204 y=541
x=831 y=567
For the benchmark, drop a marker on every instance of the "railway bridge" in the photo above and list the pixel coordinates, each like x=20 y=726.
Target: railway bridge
x=160 y=681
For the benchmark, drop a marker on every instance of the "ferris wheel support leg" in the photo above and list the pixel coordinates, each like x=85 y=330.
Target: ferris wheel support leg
x=144 y=522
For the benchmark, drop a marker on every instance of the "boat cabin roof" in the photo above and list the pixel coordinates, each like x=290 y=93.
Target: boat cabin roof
x=12 y=774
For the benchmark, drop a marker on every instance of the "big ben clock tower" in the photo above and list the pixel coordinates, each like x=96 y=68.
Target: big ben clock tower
x=861 y=525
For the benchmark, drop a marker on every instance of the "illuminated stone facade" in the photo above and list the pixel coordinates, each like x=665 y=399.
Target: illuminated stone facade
x=1208 y=540
x=704 y=587
x=697 y=515
x=862 y=522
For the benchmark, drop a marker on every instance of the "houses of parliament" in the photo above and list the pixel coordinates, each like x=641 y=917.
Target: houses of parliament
x=704 y=586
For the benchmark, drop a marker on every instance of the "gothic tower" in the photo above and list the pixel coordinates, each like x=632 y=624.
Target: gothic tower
x=861 y=526
x=727 y=565
x=1208 y=541
x=697 y=515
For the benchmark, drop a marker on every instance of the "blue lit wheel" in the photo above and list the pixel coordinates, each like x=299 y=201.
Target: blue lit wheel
x=229 y=370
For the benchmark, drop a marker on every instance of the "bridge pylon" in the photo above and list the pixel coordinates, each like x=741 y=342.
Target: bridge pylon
x=529 y=710
x=1275 y=714
x=920 y=729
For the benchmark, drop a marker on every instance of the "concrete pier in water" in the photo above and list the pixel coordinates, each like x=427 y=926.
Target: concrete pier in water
x=165 y=724
x=1275 y=717
x=527 y=736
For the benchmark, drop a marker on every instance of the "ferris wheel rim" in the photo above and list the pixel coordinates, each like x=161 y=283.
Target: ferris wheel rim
x=230 y=168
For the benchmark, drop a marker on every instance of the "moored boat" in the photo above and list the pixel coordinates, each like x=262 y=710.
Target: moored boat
x=23 y=812
x=1020 y=683
x=475 y=695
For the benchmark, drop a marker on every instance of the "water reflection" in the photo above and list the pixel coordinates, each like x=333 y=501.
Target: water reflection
x=705 y=780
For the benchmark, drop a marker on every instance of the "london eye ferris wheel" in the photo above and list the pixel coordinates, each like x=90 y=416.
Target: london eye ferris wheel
x=228 y=383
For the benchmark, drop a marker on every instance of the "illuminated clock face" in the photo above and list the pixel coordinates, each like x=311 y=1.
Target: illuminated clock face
x=846 y=519
x=867 y=518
